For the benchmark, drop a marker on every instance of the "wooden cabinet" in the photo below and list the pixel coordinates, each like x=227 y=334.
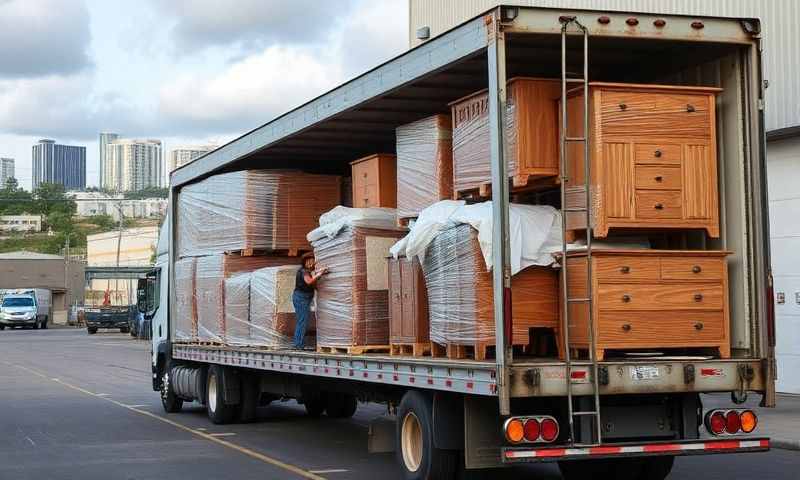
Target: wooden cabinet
x=651 y=299
x=375 y=181
x=531 y=136
x=408 y=308
x=653 y=158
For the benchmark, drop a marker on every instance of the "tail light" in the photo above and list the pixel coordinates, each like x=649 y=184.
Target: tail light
x=538 y=429
x=731 y=422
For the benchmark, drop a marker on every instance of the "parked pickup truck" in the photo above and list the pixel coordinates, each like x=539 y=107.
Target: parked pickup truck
x=109 y=316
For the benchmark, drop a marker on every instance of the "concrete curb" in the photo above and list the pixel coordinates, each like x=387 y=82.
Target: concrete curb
x=784 y=444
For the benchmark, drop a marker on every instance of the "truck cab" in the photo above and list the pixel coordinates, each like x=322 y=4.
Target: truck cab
x=19 y=310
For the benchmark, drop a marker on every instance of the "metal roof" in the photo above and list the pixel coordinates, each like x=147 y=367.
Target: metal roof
x=26 y=255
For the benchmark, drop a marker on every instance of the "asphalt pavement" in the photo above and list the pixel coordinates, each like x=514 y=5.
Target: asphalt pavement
x=74 y=406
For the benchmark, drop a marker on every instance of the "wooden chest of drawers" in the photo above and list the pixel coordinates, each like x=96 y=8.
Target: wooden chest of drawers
x=375 y=181
x=531 y=136
x=651 y=299
x=654 y=158
x=408 y=307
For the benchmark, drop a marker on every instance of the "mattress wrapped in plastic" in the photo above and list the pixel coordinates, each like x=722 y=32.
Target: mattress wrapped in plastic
x=253 y=210
x=211 y=272
x=272 y=317
x=237 y=309
x=185 y=301
x=353 y=298
x=460 y=293
x=424 y=164
x=531 y=133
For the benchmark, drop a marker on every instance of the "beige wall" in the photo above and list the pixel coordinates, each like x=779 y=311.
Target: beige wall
x=136 y=247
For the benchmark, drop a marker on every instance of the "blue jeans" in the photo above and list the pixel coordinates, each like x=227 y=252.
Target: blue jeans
x=302 y=310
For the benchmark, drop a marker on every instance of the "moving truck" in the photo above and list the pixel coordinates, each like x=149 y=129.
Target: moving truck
x=25 y=307
x=614 y=414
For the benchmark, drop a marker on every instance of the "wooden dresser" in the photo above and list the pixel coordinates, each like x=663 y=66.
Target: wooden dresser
x=654 y=158
x=375 y=181
x=408 y=308
x=651 y=299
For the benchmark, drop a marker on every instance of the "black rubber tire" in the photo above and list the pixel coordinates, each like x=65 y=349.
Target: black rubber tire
x=44 y=324
x=2 y=327
x=341 y=405
x=435 y=463
x=249 y=399
x=124 y=330
x=617 y=468
x=657 y=468
x=36 y=325
x=221 y=413
x=171 y=402
x=315 y=404
x=92 y=330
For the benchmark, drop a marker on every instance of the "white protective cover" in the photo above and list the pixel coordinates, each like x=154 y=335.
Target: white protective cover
x=332 y=222
x=534 y=230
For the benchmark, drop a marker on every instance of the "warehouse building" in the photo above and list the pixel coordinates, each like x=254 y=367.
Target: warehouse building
x=781 y=70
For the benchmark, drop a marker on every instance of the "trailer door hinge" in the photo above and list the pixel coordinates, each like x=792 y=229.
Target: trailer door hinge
x=602 y=376
x=532 y=377
x=688 y=374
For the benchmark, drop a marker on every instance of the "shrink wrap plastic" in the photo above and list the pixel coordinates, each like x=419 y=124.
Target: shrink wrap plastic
x=253 y=209
x=185 y=301
x=272 y=317
x=424 y=164
x=349 y=243
x=237 y=309
x=534 y=231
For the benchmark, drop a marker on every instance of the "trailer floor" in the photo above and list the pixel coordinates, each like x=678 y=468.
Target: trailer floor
x=80 y=406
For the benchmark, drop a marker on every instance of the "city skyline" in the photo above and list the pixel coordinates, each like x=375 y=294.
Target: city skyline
x=181 y=155
x=133 y=164
x=58 y=163
x=6 y=170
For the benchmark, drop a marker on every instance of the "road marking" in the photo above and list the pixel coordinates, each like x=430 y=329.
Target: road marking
x=330 y=470
x=243 y=450
x=136 y=406
x=226 y=434
x=98 y=394
x=32 y=442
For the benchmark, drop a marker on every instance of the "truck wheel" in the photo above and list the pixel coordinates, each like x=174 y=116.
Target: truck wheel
x=341 y=405
x=92 y=330
x=44 y=323
x=657 y=468
x=249 y=399
x=417 y=456
x=171 y=402
x=2 y=327
x=315 y=404
x=124 y=330
x=219 y=412
x=36 y=325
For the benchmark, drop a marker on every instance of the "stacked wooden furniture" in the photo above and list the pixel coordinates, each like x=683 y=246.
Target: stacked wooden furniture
x=461 y=304
x=253 y=210
x=353 y=298
x=237 y=309
x=531 y=137
x=211 y=273
x=272 y=317
x=375 y=181
x=185 y=300
x=424 y=165
x=651 y=299
x=654 y=158
x=408 y=308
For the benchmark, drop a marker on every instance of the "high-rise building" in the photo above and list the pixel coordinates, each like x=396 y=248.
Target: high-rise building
x=62 y=164
x=133 y=165
x=6 y=170
x=105 y=139
x=182 y=155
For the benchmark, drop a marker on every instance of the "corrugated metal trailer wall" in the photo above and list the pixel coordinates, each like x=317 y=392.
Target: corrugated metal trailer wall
x=780 y=19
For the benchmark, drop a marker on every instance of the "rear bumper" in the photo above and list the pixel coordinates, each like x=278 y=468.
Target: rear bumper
x=110 y=322
x=672 y=448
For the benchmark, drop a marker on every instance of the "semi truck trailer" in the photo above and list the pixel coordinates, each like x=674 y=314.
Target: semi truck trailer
x=594 y=417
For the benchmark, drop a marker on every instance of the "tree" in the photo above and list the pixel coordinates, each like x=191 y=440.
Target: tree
x=14 y=200
x=103 y=221
x=149 y=192
x=50 y=198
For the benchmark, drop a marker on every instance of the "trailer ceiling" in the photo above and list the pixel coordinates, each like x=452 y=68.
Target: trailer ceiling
x=360 y=117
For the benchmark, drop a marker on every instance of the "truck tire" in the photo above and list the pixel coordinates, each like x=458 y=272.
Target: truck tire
x=219 y=412
x=249 y=399
x=124 y=330
x=657 y=468
x=44 y=323
x=171 y=402
x=92 y=330
x=2 y=327
x=315 y=404
x=418 y=458
x=602 y=469
x=36 y=325
x=341 y=405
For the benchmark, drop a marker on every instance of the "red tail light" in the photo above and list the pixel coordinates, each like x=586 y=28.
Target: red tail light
x=549 y=429
x=532 y=430
x=733 y=423
x=716 y=423
x=536 y=429
x=748 y=420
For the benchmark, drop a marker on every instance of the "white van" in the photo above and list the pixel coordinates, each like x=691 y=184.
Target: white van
x=27 y=307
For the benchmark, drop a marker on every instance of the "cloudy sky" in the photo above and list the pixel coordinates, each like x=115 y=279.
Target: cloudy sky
x=183 y=71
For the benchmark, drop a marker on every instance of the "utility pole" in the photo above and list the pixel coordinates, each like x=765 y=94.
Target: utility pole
x=119 y=241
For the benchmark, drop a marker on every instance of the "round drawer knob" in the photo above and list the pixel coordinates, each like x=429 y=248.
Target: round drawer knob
x=698 y=326
x=626 y=298
x=659 y=206
x=657 y=153
x=696 y=269
x=659 y=178
x=698 y=297
x=623 y=106
x=690 y=108
x=626 y=327
x=624 y=269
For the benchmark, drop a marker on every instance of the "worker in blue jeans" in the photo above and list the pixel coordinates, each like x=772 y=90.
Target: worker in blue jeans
x=304 y=286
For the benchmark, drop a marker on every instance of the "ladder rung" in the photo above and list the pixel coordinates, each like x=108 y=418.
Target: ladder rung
x=578 y=300
x=585 y=414
x=575 y=209
x=575 y=80
x=575 y=139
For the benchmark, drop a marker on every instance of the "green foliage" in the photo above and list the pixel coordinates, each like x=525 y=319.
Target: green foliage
x=50 y=198
x=149 y=192
x=104 y=222
x=14 y=200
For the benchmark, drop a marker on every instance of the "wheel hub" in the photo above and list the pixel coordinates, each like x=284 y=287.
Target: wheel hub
x=411 y=442
x=212 y=393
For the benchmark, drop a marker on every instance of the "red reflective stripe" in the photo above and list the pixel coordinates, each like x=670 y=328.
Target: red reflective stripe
x=711 y=372
x=604 y=450
x=765 y=443
x=578 y=375
x=669 y=447
x=722 y=445
x=554 y=452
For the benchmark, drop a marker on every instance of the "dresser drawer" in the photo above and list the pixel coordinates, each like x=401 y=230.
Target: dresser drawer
x=698 y=269
x=657 y=177
x=659 y=204
x=657 y=153
x=661 y=329
x=660 y=296
x=626 y=269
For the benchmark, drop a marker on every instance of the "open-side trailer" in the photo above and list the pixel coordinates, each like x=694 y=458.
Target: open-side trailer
x=452 y=413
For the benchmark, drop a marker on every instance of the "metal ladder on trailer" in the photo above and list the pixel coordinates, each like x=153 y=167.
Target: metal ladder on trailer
x=585 y=209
